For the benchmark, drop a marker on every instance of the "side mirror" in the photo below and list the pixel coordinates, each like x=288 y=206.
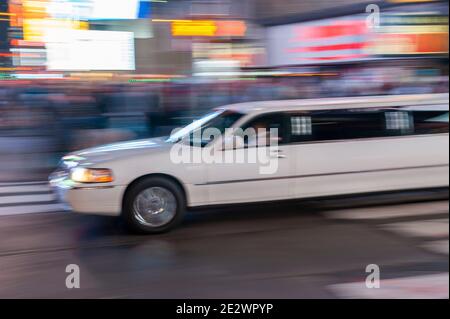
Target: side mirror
x=233 y=142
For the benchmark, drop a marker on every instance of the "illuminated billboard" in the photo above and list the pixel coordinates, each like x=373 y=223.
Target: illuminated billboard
x=83 y=50
x=208 y=28
x=328 y=40
x=410 y=30
x=114 y=9
x=100 y=9
x=412 y=34
x=34 y=30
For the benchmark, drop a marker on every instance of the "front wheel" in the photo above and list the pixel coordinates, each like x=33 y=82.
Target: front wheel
x=154 y=205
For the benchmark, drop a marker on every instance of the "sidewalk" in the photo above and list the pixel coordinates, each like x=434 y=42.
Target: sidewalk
x=24 y=159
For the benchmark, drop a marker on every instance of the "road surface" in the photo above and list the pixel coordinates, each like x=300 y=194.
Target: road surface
x=303 y=250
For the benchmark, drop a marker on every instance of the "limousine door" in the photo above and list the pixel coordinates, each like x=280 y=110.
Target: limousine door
x=253 y=173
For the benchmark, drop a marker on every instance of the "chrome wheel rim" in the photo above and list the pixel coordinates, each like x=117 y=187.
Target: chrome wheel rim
x=155 y=207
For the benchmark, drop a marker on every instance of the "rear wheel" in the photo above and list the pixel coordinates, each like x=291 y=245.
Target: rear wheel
x=154 y=205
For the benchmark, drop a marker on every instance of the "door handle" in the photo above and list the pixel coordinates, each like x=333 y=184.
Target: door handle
x=277 y=154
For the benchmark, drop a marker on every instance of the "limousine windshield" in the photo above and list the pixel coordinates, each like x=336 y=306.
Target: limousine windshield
x=193 y=133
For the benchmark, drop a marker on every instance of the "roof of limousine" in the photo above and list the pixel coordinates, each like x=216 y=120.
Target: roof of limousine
x=339 y=103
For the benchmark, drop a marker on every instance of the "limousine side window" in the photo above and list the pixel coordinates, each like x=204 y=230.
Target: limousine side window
x=365 y=123
x=431 y=122
x=262 y=125
x=335 y=125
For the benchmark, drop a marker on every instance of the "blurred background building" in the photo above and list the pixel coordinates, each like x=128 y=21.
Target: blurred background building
x=77 y=73
x=184 y=38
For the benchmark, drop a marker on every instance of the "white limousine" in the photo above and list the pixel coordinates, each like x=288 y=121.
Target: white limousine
x=303 y=149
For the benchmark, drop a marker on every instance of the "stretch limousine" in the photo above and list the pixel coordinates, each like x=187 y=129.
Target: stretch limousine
x=264 y=151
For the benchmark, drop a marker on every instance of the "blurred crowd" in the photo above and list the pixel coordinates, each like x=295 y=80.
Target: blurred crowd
x=42 y=121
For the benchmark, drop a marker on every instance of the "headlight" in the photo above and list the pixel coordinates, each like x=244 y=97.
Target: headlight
x=91 y=175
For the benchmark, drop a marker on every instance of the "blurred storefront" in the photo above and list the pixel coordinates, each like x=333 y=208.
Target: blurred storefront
x=212 y=37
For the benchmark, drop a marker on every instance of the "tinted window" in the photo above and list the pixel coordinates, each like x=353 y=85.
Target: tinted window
x=336 y=125
x=219 y=123
x=431 y=122
x=365 y=123
x=263 y=126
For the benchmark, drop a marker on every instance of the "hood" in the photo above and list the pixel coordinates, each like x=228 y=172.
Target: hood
x=117 y=150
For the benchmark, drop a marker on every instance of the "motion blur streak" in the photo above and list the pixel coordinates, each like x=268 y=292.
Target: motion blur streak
x=81 y=73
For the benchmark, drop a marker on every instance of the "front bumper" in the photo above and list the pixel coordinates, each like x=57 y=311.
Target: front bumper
x=86 y=199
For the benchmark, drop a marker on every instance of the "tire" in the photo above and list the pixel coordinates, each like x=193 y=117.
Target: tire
x=154 y=205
